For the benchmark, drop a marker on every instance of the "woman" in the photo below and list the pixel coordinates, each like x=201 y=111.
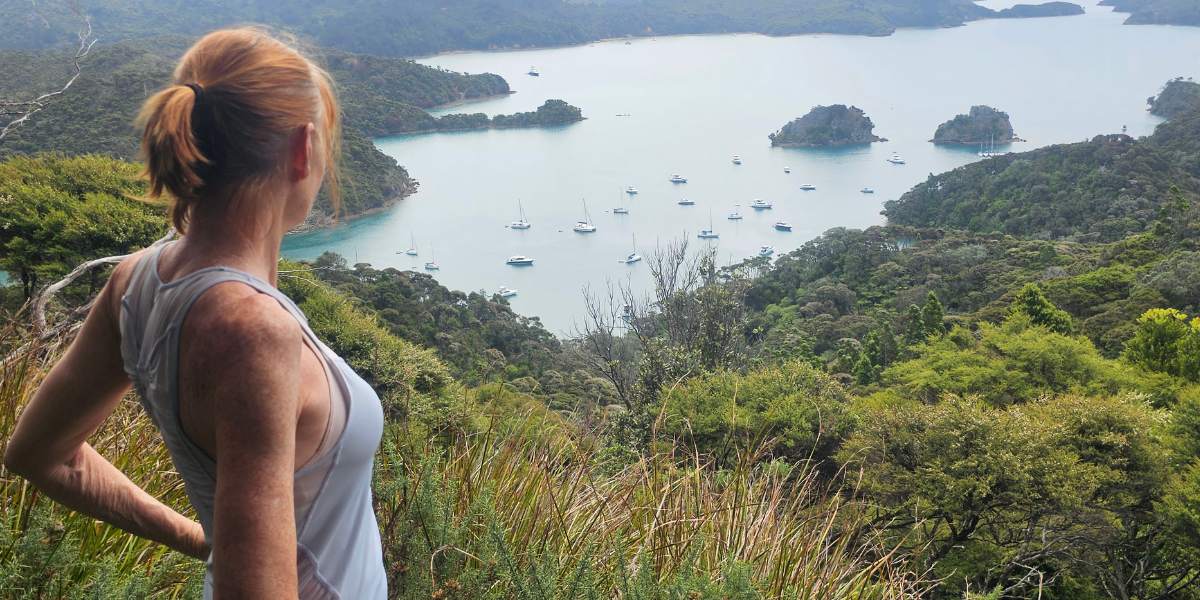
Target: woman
x=273 y=434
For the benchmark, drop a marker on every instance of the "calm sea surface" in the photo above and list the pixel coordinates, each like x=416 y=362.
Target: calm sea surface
x=694 y=102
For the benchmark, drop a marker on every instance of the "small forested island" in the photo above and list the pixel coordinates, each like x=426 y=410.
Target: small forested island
x=982 y=125
x=823 y=126
x=551 y=113
x=1177 y=97
x=1048 y=9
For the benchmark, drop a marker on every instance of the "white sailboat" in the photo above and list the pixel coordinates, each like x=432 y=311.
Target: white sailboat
x=708 y=234
x=735 y=215
x=432 y=264
x=412 y=247
x=633 y=256
x=521 y=223
x=619 y=209
x=585 y=225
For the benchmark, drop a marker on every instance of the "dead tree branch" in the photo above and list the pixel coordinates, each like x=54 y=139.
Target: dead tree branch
x=21 y=111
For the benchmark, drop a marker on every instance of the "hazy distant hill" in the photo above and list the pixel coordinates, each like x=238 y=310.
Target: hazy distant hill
x=415 y=27
x=1168 y=12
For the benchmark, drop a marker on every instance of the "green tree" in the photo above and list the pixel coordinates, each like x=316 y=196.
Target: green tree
x=933 y=316
x=1030 y=301
x=58 y=211
x=1165 y=341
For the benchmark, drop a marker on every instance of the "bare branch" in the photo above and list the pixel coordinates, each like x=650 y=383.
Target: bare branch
x=43 y=298
x=22 y=110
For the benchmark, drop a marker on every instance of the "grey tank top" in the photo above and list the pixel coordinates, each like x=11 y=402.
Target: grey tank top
x=339 y=554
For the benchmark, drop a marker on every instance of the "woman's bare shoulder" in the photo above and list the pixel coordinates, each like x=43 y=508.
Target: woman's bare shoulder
x=232 y=319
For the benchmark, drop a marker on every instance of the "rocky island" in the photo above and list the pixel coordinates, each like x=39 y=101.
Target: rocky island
x=823 y=126
x=1049 y=9
x=983 y=125
x=1177 y=97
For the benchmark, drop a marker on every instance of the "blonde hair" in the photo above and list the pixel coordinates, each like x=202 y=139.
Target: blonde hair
x=224 y=124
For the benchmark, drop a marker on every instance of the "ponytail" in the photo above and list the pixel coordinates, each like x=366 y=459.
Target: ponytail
x=171 y=149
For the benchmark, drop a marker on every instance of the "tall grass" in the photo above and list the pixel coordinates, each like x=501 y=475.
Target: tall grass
x=514 y=512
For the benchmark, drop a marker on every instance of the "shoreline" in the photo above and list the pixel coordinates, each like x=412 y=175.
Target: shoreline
x=328 y=222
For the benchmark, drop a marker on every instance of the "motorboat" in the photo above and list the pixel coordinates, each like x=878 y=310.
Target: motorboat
x=766 y=251
x=632 y=191
x=686 y=202
x=867 y=190
x=808 y=187
x=787 y=169
x=506 y=292
x=533 y=72
x=896 y=159
x=519 y=261
x=734 y=216
x=783 y=226
x=737 y=160
x=760 y=204
x=677 y=178
x=620 y=210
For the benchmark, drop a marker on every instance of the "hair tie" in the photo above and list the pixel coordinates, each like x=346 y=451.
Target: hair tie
x=196 y=89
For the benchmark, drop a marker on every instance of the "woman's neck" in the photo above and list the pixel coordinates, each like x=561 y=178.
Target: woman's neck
x=245 y=239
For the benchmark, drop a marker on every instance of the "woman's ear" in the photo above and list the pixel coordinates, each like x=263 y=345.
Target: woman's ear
x=301 y=152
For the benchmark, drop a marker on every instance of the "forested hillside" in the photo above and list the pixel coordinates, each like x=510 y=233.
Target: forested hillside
x=415 y=27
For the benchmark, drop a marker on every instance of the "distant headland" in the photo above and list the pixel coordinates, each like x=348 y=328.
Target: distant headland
x=1177 y=97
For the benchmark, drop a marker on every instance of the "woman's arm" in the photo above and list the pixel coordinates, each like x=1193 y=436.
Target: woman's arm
x=249 y=350
x=49 y=447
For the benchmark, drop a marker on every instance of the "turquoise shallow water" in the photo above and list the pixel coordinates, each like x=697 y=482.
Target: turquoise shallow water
x=695 y=101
